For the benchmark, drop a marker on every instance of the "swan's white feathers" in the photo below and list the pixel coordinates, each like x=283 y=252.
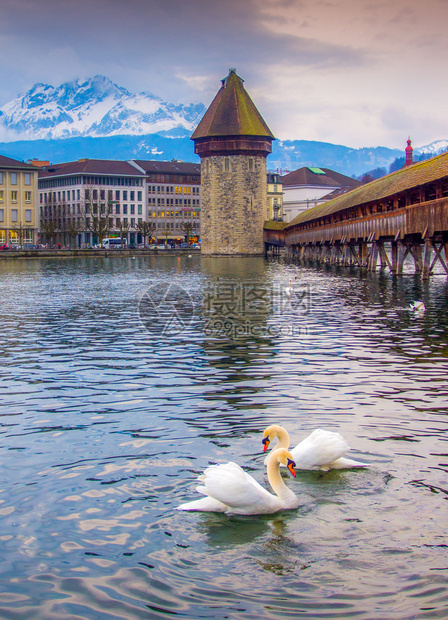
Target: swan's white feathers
x=228 y=488
x=321 y=450
x=231 y=485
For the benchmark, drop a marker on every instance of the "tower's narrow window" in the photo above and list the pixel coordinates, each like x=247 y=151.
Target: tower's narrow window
x=251 y=164
x=226 y=164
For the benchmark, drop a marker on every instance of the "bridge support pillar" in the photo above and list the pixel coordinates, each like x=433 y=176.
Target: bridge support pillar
x=363 y=253
x=394 y=257
x=401 y=254
x=373 y=256
x=427 y=259
x=417 y=255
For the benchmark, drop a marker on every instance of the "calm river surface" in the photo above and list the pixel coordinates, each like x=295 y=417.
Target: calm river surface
x=123 y=378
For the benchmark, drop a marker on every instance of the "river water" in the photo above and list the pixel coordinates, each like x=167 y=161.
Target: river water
x=123 y=378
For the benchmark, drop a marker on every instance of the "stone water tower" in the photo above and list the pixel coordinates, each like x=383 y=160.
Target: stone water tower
x=233 y=142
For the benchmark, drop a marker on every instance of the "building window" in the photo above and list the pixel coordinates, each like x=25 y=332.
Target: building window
x=27 y=196
x=132 y=222
x=1 y=195
x=27 y=178
x=125 y=209
x=28 y=218
x=14 y=196
x=251 y=164
x=13 y=177
x=1 y=178
x=14 y=217
x=125 y=195
x=2 y=215
x=132 y=195
x=139 y=195
x=132 y=209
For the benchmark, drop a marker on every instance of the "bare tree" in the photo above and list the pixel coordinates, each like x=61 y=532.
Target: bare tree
x=48 y=228
x=98 y=208
x=187 y=228
x=74 y=227
x=20 y=229
x=146 y=229
x=123 y=228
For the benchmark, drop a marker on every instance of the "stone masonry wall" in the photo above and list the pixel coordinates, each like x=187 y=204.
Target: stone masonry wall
x=233 y=198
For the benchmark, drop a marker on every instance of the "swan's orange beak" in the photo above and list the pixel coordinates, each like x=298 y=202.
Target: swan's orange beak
x=291 y=466
x=265 y=441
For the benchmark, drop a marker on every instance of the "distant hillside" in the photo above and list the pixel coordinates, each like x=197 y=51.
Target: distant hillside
x=97 y=119
x=286 y=156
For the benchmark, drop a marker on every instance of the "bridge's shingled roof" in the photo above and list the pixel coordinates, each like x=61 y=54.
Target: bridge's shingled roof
x=414 y=176
x=232 y=113
x=274 y=225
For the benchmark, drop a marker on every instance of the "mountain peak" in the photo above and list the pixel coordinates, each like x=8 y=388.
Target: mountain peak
x=93 y=106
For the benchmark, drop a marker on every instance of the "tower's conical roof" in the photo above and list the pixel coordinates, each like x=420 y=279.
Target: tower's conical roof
x=232 y=113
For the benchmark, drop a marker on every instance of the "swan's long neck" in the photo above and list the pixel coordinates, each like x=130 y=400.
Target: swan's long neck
x=283 y=437
x=276 y=480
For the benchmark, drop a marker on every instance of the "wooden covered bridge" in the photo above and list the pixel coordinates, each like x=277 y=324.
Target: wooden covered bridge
x=402 y=214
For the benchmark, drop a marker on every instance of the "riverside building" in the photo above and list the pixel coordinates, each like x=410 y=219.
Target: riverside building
x=19 y=217
x=75 y=196
x=173 y=190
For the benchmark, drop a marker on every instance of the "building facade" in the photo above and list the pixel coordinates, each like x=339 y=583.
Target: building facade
x=84 y=201
x=308 y=187
x=19 y=215
x=173 y=200
x=233 y=142
x=274 y=209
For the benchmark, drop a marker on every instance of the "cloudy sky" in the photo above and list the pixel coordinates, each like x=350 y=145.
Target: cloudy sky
x=358 y=73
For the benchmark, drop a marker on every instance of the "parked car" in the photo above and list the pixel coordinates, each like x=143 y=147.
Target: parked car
x=161 y=247
x=183 y=246
x=4 y=247
x=132 y=246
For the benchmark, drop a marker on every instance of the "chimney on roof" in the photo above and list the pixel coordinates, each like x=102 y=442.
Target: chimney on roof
x=408 y=150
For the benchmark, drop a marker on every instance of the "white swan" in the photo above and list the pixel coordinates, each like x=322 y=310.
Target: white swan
x=322 y=450
x=228 y=488
x=418 y=307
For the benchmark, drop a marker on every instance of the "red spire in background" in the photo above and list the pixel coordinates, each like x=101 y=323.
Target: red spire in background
x=408 y=150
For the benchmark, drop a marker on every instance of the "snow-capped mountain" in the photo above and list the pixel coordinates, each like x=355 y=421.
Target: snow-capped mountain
x=439 y=146
x=95 y=107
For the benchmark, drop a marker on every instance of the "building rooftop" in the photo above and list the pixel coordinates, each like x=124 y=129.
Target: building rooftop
x=318 y=176
x=232 y=113
x=7 y=162
x=169 y=167
x=105 y=167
